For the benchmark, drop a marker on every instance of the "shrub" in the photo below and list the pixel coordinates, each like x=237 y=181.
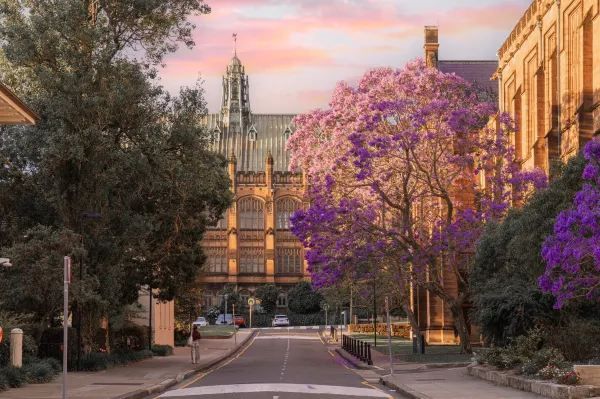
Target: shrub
x=14 y=376
x=129 y=338
x=53 y=363
x=576 y=339
x=4 y=385
x=39 y=372
x=549 y=372
x=162 y=350
x=568 y=378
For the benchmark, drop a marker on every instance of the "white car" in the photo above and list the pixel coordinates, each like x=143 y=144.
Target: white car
x=200 y=322
x=281 y=320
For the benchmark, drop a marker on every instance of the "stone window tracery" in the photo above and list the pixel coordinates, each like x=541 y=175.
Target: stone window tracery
x=285 y=208
x=251 y=211
x=252 y=261
x=216 y=260
x=288 y=261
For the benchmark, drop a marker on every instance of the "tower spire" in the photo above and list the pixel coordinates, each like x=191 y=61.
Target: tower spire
x=235 y=44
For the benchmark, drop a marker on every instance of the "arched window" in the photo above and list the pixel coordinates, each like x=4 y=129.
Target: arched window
x=252 y=261
x=288 y=261
x=251 y=212
x=285 y=208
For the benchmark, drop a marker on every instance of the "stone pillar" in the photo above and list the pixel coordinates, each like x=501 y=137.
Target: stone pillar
x=232 y=237
x=270 y=222
x=431 y=46
x=16 y=347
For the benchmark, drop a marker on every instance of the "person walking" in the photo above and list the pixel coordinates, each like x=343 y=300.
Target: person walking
x=195 y=345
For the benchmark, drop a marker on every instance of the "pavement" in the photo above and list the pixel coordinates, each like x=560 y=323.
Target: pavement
x=434 y=380
x=447 y=383
x=283 y=364
x=137 y=379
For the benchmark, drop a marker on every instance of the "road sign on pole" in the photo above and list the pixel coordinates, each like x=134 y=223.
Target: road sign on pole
x=67 y=281
x=251 y=305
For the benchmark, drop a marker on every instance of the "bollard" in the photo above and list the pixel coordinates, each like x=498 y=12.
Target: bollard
x=16 y=347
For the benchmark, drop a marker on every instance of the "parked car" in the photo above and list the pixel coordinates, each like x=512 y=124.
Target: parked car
x=239 y=321
x=280 y=320
x=224 y=320
x=200 y=322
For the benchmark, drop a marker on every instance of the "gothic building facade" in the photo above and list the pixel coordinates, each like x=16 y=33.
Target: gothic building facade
x=549 y=80
x=252 y=244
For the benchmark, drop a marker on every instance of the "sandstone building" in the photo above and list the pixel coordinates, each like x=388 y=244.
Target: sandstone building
x=549 y=80
x=252 y=244
x=433 y=315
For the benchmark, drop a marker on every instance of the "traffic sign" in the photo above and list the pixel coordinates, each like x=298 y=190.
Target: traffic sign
x=250 y=301
x=325 y=306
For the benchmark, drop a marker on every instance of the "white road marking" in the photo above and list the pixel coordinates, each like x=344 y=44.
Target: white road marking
x=288 y=388
x=287 y=337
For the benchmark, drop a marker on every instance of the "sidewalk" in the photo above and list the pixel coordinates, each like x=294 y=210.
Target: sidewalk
x=453 y=383
x=123 y=382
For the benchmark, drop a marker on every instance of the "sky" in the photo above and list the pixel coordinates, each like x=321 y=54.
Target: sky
x=295 y=51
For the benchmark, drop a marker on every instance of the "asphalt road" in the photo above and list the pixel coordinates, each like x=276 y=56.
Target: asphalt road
x=281 y=364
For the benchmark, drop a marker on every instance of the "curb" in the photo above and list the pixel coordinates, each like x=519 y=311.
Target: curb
x=404 y=390
x=446 y=365
x=544 y=388
x=353 y=361
x=184 y=375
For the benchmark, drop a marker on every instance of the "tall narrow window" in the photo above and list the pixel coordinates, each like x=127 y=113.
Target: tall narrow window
x=251 y=211
x=216 y=260
x=288 y=261
x=252 y=261
x=285 y=208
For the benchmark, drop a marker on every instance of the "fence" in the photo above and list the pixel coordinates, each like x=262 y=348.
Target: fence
x=357 y=348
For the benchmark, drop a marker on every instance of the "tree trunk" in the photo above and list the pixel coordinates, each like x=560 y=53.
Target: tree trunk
x=414 y=324
x=460 y=323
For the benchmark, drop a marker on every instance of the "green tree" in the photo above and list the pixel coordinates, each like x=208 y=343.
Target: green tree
x=188 y=305
x=268 y=295
x=303 y=299
x=111 y=143
x=506 y=297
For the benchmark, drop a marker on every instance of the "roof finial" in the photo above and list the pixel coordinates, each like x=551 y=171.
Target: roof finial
x=235 y=44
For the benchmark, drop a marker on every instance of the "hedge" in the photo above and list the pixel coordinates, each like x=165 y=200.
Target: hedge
x=162 y=350
x=34 y=372
x=398 y=330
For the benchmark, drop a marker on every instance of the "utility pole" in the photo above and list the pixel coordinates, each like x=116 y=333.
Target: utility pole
x=150 y=318
x=67 y=281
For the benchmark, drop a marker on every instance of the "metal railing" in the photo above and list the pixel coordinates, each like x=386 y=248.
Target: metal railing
x=357 y=348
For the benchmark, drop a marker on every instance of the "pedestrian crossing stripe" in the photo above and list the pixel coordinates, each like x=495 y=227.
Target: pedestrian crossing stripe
x=277 y=388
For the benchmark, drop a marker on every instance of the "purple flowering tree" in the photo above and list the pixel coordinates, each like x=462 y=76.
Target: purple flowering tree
x=572 y=252
x=406 y=169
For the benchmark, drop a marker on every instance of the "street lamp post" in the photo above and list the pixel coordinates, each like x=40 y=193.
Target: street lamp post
x=374 y=312
x=225 y=315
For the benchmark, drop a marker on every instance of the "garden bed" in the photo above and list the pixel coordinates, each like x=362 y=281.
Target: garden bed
x=545 y=388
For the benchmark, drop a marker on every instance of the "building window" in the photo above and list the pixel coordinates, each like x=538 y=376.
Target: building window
x=289 y=261
x=252 y=261
x=216 y=260
x=216 y=134
x=251 y=212
x=221 y=224
x=282 y=300
x=287 y=133
x=285 y=208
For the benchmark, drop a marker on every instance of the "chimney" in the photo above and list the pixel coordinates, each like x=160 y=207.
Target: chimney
x=431 y=46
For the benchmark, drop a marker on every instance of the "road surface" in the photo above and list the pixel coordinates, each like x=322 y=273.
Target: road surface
x=282 y=364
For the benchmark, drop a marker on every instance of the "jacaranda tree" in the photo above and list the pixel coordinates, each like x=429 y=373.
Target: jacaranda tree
x=572 y=252
x=405 y=170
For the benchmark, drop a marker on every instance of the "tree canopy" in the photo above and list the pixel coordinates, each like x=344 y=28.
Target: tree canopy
x=115 y=159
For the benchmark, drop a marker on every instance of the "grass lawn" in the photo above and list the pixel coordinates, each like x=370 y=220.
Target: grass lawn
x=217 y=331
x=402 y=349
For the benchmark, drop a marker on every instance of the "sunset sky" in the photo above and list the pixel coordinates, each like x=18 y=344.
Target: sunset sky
x=295 y=51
